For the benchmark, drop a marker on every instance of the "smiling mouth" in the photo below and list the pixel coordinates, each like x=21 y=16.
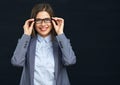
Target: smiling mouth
x=43 y=29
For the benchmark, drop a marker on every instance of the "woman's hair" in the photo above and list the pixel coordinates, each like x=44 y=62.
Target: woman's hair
x=42 y=7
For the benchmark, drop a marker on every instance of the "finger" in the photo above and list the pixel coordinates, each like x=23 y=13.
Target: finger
x=55 y=21
x=57 y=18
x=54 y=24
x=28 y=21
x=31 y=26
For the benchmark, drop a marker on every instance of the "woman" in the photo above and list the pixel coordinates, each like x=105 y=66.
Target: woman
x=43 y=50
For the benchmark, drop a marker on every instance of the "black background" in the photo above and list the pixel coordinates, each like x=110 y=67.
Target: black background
x=93 y=27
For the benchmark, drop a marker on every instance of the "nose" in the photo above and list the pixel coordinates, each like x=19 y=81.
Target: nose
x=43 y=23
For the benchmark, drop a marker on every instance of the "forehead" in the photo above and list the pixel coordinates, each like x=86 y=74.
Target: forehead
x=43 y=14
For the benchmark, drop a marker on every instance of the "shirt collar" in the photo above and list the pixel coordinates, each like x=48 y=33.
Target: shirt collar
x=46 y=39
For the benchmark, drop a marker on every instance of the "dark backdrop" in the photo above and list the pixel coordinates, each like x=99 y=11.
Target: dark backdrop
x=93 y=27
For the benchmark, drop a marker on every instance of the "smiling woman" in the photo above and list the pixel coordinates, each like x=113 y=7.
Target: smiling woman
x=43 y=50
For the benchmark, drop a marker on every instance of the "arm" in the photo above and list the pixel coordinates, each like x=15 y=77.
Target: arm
x=68 y=56
x=18 y=58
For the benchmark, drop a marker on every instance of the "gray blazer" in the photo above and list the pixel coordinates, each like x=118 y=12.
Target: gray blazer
x=24 y=55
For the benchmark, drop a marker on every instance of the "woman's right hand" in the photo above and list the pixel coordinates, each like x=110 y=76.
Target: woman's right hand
x=28 y=26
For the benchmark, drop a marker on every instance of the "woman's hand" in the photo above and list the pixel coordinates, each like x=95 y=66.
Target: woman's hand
x=28 y=26
x=58 y=24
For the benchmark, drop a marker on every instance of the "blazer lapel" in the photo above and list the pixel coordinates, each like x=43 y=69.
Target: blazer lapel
x=32 y=58
x=55 y=53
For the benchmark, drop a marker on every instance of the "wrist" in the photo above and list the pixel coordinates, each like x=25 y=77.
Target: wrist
x=59 y=33
x=27 y=33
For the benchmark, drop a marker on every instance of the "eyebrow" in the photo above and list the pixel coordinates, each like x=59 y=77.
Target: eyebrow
x=37 y=19
x=44 y=18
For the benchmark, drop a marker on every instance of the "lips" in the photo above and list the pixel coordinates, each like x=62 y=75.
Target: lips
x=43 y=29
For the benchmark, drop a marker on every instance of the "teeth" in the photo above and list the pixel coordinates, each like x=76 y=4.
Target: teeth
x=43 y=29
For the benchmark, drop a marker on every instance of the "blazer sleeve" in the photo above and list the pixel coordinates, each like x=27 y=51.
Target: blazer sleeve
x=68 y=55
x=18 y=58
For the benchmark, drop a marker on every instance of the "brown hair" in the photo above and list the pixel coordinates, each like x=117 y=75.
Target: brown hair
x=42 y=7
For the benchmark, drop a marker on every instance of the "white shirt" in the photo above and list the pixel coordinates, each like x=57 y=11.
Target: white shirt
x=44 y=62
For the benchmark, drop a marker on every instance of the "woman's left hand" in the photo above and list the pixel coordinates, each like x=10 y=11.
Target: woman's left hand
x=58 y=24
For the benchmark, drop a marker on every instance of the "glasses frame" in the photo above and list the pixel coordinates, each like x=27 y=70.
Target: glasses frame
x=45 y=20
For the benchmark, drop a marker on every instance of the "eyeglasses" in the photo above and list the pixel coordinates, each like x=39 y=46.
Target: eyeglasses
x=39 y=21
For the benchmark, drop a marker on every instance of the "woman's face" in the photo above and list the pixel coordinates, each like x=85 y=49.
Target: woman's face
x=43 y=24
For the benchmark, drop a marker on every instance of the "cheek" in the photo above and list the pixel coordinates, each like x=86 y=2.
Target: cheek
x=36 y=27
x=51 y=26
